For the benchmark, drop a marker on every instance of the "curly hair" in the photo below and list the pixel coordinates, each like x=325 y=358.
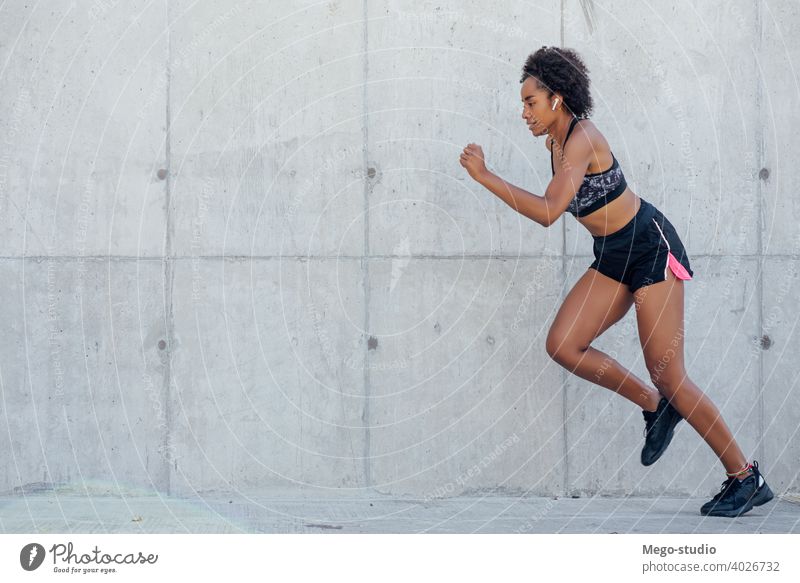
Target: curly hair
x=561 y=70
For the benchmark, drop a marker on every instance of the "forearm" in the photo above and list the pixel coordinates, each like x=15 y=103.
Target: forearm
x=530 y=205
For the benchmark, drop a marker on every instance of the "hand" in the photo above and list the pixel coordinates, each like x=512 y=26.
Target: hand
x=472 y=159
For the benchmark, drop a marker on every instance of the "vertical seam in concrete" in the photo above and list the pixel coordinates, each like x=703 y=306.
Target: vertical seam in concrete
x=168 y=268
x=365 y=258
x=563 y=371
x=760 y=276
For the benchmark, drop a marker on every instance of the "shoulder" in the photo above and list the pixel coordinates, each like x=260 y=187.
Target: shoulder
x=586 y=128
x=586 y=136
x=591 y=134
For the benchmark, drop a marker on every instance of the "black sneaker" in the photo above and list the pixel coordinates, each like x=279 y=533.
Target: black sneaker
x=659 y=428
x=739 y=496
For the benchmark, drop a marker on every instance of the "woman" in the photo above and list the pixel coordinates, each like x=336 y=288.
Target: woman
x=638 y=258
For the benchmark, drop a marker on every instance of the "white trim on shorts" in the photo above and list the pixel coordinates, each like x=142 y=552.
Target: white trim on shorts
x=666 y=266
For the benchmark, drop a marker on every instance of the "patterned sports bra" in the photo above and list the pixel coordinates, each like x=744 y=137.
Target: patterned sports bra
x=598 y=189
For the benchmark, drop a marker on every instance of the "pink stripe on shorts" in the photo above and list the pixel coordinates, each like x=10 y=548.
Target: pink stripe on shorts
x=672 y=261
x=676 y=267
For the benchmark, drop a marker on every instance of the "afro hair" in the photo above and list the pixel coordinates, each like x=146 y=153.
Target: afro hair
x=561 y=70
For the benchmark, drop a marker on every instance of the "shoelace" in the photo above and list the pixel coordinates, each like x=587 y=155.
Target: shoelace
x=650 y=418
x=725 y=485
x=731 y=484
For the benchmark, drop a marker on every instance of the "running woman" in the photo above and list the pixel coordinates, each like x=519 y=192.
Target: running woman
x=639 y=259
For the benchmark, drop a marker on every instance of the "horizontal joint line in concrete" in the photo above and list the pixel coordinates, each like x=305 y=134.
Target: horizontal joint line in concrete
x=355 y=257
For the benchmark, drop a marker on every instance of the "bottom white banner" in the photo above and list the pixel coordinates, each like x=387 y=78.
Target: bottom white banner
x=389 y=557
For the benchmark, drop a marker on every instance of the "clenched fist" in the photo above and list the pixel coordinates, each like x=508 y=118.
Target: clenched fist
x=472 y=160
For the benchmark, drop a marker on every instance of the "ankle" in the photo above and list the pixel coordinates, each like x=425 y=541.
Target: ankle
x=652 y=406
x=743 y=473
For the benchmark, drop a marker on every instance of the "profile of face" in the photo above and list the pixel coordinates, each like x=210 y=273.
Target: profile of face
x=537 y=107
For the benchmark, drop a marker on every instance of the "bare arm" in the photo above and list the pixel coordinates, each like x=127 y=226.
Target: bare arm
x=546 y=209
x=533 y=206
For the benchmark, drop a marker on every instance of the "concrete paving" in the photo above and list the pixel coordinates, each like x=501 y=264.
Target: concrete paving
x=51 y=513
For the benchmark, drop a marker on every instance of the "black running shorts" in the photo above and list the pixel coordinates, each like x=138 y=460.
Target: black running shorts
x=641 y=252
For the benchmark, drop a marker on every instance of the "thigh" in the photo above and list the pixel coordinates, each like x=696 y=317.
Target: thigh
x=659 y=317
x=593 y=304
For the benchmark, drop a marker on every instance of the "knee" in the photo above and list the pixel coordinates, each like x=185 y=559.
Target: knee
x=554 y=344
x=562 y=349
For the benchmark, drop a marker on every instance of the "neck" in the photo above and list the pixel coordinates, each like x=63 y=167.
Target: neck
x=559 y=129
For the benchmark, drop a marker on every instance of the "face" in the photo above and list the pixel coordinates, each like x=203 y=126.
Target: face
x=536 y=107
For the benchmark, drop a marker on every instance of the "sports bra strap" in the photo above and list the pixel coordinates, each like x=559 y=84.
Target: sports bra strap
x=569 y=131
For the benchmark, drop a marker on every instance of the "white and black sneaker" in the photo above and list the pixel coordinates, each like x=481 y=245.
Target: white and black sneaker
x=739 y=496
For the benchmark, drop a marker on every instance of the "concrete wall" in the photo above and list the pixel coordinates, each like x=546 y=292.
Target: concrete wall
x=240 y=254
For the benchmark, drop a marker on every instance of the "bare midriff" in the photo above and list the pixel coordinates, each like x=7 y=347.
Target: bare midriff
x=613 y=216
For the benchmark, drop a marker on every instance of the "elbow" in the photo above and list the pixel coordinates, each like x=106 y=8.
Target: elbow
x=548 y=221
x=550 y=214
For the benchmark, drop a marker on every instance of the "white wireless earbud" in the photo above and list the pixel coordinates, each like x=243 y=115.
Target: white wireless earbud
x=555 y=103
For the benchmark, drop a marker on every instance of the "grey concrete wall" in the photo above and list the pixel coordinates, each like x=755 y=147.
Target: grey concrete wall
x=240 y=254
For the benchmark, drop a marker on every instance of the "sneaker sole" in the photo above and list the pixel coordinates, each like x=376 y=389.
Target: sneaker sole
x=667 y=441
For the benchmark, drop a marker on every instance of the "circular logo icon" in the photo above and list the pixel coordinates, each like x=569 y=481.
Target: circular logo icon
x=31 y=556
